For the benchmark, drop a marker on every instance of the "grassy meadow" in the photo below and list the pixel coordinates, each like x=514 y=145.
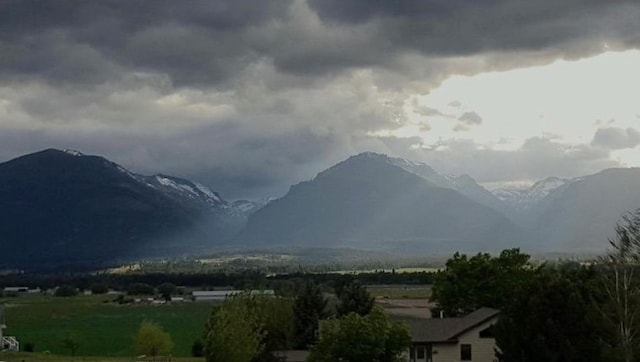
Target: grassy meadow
x=100 y=327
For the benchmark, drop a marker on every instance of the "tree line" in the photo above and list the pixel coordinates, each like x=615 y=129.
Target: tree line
x=246 y=327
x=253 y=328
x=240 y=280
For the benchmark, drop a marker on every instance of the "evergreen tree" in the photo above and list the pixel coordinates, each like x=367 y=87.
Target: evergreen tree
x=552 y=319
x=353 y=297
x=309 y=308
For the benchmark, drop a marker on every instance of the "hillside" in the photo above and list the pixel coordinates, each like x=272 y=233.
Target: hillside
x=369 y=202
x=582 y=215
x=68 y=209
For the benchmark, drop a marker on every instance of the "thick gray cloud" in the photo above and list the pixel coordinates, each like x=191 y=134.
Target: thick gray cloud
x=203 y=42
x=251 y=96
x=616 y=138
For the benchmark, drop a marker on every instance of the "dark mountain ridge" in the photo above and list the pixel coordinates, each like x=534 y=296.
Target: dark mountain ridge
x=65 y=208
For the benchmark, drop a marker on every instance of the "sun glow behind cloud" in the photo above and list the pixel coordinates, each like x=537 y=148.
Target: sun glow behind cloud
x=566 y=101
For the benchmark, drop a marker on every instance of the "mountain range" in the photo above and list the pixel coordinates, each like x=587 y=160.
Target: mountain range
x=63 y=209
x=66 y=209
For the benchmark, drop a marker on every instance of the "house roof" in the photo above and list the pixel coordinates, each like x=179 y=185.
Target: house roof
x=446 y=329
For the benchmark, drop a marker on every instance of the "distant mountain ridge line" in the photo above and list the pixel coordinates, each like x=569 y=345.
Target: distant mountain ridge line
x=67 y=208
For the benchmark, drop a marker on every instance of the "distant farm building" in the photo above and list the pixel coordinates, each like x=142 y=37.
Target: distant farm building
x=221 y=295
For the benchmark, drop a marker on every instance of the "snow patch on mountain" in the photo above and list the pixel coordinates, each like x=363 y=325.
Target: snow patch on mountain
x=463 y=184
x=73 y=152
x=522 y=199
x=205 y=190
x=165 y=181
x=185 y=188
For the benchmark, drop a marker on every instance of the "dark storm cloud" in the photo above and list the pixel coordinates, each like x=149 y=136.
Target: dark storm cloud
x=462 y=27
x=616 y=138
x=83 y=41
x=205 y=42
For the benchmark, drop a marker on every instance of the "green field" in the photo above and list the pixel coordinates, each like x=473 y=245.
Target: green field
x=101 y=328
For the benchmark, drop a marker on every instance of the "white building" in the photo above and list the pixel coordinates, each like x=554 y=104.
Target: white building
x=468 y=338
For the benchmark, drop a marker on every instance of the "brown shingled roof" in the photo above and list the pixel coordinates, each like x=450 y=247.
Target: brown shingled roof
x=446 y=329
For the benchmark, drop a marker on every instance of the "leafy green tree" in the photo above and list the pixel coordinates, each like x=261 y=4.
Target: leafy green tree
x=354 y=298
x=152 y=340
x=355 y=338
x=233 y=332
x=467 y=284
x=309 y=308
x=248 y=328
x=552 y=319
x=276 y=318
x=166 y=290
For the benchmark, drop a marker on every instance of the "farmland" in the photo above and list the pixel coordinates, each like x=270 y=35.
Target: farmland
x=104 y=329
x=100 y=327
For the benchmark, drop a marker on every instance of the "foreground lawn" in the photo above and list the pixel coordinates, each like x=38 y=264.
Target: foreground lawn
x=100 y=327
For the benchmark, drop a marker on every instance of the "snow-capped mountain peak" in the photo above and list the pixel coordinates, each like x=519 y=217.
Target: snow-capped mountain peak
x=73 y=152
x=184 y=188
x=544 y=187
x=525 y=198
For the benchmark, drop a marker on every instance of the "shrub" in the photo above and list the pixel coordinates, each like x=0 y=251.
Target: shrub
x=66 y=291
x=28 y=347
x=99 y=289
x=197 y=349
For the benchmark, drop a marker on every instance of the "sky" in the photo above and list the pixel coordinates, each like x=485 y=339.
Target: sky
x=250 y=97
